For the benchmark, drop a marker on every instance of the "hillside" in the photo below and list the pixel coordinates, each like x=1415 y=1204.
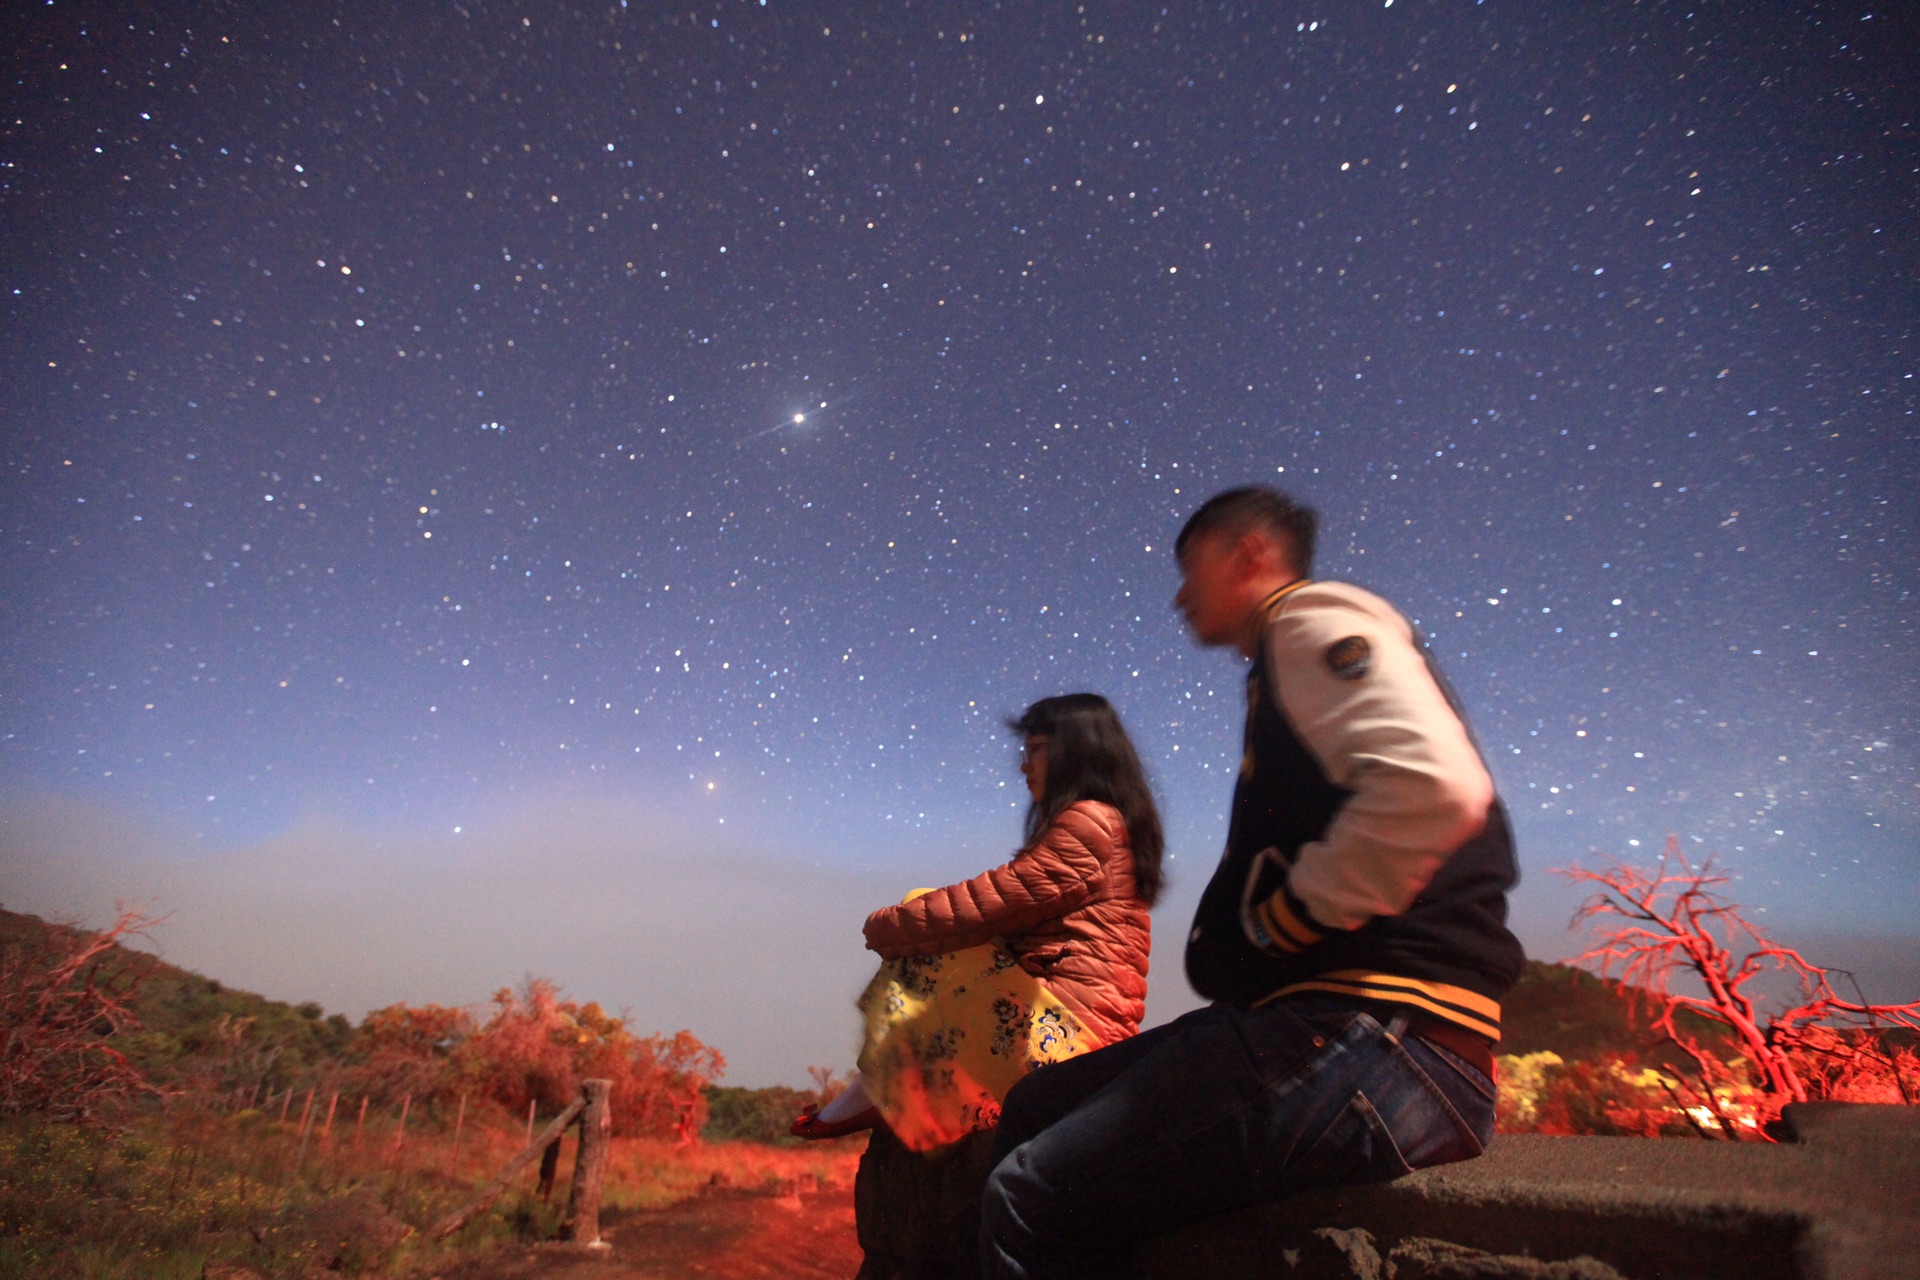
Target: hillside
x=1580 y=1016
x=184 y=1017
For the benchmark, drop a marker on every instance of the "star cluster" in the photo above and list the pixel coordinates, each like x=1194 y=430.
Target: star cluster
x=414 y=406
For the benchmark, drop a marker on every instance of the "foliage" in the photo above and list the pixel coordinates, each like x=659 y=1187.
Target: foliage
x=1578 y=1014
x=404 y=1051
x=171 y=1191
x=1848 y=1066
x=1671 y=921
x=402 y=1119
x=755 y=1115
x=1522 y=1076
x=161 y=1197
x=200 y=1034
x=185 y=1033
x=1545 y=1093
x=538 y=1046
x=74 y=1000
x=533 y=1051
x=64 y=997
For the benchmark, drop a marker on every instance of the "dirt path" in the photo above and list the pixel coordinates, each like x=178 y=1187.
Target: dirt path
x=724 y=1236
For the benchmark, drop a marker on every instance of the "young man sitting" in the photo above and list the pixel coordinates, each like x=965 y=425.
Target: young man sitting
x=1352 y=941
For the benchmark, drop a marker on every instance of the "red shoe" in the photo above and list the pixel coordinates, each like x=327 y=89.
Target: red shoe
x=808 y=1123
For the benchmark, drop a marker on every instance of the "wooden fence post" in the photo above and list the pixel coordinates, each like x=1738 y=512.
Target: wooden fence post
x=549 y=1168
x=453 y=1221
x=590 y=1166
x=400 y=1138
x=459 y=1127
x=306 y=1127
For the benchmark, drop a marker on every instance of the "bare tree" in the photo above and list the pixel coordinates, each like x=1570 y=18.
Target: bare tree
x=1654 y=924
x=827 y=1083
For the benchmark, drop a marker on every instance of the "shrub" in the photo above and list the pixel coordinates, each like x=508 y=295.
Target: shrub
x=407 y=1051
x=534 y=1050
x=64 y=1002
x=754 y=1115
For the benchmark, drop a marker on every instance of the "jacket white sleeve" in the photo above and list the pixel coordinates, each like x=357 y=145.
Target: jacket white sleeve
x=1344 y=670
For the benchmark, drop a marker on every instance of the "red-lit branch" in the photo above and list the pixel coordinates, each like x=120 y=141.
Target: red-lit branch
x=1672 y=919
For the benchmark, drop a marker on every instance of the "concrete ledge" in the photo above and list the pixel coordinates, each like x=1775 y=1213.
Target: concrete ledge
x=1841 y=1201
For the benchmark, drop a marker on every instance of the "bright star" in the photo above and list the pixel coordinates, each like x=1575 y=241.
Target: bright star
x=806 y=420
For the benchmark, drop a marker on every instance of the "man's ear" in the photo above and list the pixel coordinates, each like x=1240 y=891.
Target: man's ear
x=1258 y=555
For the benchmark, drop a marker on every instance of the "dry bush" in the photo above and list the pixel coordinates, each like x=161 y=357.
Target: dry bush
x=538 y=1046
x=1846 y=1066
x=525 y=1053
x=533 y=1051
x=1544 y=1093
x=404 y=1051
x=62 y=1003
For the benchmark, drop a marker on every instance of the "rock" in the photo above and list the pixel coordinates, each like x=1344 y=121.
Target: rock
x=1419 y=1258
x=1330 y=1253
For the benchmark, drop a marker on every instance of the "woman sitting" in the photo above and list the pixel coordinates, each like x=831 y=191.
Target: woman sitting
x=1037 y=960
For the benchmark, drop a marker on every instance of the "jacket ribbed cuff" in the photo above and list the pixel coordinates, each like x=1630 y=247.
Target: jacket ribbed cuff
x=1283 y=918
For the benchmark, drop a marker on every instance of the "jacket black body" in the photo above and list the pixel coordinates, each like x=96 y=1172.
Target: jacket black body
x=1449 y=953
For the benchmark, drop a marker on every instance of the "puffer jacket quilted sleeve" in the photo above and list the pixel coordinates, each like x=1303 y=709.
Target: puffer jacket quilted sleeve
x=1066 y=907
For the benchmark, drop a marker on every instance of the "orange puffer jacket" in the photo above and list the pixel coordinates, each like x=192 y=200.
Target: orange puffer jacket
x=1065 y=907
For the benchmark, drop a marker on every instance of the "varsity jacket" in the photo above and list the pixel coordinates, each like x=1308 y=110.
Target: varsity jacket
x=1367 y=855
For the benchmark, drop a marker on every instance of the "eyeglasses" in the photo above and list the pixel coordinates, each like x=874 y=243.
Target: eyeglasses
x=1030 y=748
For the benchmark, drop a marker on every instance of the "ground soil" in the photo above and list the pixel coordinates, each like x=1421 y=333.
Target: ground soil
x=720 y=1236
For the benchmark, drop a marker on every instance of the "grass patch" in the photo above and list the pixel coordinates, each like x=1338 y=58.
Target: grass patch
x=651 y=1174
x=164 y=1194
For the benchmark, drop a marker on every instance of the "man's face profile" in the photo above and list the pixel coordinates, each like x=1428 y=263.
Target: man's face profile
x=1214 y=569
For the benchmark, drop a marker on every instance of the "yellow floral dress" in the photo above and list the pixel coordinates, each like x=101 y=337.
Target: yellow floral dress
x=948 y=1035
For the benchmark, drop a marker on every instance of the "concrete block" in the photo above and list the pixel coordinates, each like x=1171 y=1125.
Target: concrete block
x=1839 y=1201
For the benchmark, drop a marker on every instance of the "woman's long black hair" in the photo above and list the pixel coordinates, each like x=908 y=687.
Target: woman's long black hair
x=1090 y=757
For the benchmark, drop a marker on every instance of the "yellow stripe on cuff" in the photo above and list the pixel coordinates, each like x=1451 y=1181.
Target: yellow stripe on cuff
x=1276 y=932
x=1298 y=931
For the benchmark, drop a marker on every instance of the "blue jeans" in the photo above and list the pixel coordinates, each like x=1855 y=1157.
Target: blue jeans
x=1222 y=1108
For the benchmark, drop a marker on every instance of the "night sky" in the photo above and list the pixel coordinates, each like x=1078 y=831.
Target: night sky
x=578 y=489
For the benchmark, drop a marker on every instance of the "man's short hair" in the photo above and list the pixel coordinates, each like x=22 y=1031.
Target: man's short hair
x=1256 y=508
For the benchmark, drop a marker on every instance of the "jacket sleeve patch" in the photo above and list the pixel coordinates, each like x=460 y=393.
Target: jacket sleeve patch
x=1351 y=658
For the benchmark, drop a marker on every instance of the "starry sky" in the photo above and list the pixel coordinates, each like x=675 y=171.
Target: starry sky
x=578 y=488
